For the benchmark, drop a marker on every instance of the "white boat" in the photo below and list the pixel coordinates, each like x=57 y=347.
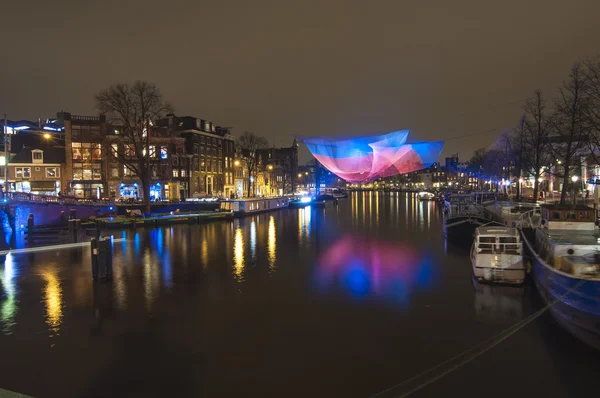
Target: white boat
x=515 y=214
x=497 y=255
x=426 y=196
x=244 y=207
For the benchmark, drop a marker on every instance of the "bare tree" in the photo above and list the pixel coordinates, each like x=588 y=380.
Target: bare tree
x=591 y=84
x=569 y=136
x=133 y=107
x=536 y=144
x=250 y=144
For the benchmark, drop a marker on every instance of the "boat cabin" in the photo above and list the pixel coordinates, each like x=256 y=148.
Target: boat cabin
x=497 y=240
x=570 y=217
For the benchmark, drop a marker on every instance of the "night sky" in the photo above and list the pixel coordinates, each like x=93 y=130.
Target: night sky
x=440 y=68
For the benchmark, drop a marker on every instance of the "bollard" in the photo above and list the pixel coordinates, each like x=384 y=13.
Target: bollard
x=30 y=228
x=94 y=245
x=72 y=228
x=63 y=218
x=72 y=214
x=109 y=259
x=104 y=259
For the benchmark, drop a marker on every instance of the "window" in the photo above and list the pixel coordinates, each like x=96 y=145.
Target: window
x=175 y=173
x=77 y=174
x=183 y=172
x=52 y=172
x=23 y=172
x=175 y=161
x=127 y=172
x=571 y=215
x=97 y=153
x=37 y=155
x=163 y=152
x=129 y=150
x=114 y=172
x=556 y=215
x=87 y=174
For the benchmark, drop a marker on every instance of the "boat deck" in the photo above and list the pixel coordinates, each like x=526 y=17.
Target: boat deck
x=570 y=237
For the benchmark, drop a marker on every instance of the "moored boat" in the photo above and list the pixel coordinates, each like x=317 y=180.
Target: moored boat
x=462 y=214
x=566 y=268
x=424 y=195
x=497 y=255
x=244 y=207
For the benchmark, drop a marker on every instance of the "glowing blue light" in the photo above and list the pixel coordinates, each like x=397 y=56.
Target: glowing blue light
x=305 y=199
x=122 y=185
x=4 y=200
x=21 y=128
x=135 y=185
x=158 y=184
x=110 y=208
x=52 y=128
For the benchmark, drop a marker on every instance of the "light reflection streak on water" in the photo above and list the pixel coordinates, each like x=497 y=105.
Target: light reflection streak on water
x=272 y=243
x=304 y=217
x=238 y=254
x=9 y=308
x=253 y=239
x=151 y=279
x=53 y=298
x=204 y=253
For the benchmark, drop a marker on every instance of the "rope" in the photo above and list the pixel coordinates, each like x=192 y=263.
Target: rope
x=477 y=351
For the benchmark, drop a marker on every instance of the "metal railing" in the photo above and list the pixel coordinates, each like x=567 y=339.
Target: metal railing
x=527 y=221
x=29 y=198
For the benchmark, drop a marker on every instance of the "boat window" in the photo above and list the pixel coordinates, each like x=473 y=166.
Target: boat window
x=571 y=215
x=584 y=215
x=508 y=240
x=556 y=215
x=486 y=242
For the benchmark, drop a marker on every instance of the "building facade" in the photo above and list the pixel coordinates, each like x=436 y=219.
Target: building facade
x=210 y=150
x=37 y=171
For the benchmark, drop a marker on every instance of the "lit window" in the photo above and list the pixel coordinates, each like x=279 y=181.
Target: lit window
x=52 y=172
x=175 y=173
x=183 y=173
x=18 y=172
x=163 y=152
x=37 y=155
x=114 y=172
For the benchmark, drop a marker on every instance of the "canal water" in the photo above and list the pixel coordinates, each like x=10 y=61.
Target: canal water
x=349 y=301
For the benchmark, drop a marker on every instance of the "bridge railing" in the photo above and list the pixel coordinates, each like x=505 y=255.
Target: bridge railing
x=29 y=198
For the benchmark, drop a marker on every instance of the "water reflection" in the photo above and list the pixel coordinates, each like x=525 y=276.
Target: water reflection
x=498 y=304
x=253 y=239
x=304 y=216
x=272 y=244
x=369 y=267
x=238 y=254
x=204 y=253
x=151 y=278
x=53 y=298
x=8 y=309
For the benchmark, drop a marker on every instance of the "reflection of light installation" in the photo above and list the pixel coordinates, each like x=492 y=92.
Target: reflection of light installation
x=368 y=267
x=272 y=243
x=238 y=253
x=363 y=159
x=305 y=199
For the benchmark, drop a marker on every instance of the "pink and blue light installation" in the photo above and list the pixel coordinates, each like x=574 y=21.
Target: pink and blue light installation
x=363 y=159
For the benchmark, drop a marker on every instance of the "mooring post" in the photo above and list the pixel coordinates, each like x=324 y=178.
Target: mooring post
x=30 y=228
x=94 y=246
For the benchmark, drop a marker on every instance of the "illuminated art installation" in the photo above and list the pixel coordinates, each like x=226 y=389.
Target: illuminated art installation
x=363 y=159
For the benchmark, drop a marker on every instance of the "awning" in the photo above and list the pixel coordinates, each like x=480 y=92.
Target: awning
x=43 y=185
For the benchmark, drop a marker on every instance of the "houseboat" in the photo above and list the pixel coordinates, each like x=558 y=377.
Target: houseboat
x=462 y=214
x=566 y=268
x=497 y=255
x=245 y=207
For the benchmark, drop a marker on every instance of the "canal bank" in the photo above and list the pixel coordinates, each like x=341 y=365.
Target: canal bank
x=287 y=303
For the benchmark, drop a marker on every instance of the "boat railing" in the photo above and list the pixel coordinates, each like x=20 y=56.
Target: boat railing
x=499 y=248
x=528 y=219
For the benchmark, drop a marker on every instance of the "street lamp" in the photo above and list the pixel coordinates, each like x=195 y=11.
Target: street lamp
x=574 y=178
x=47 y=136
x=299 y=175
x=270 y=167
x=236 y=163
